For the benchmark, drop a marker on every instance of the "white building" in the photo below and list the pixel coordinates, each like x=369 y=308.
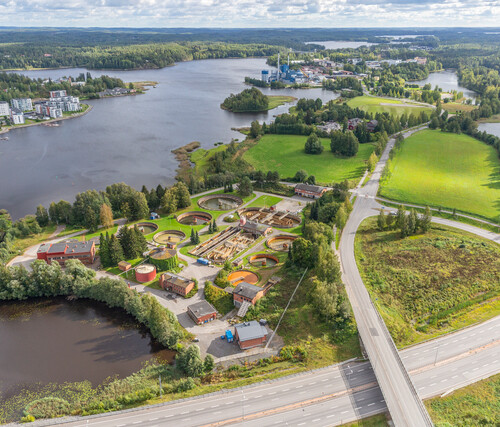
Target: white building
x=4 y=109
x=57 y=93
x=23 y=104
x=17 y=117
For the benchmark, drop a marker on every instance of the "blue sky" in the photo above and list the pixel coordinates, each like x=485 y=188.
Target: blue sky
x=247 y=13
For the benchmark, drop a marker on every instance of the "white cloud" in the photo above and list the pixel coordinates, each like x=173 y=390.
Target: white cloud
x=245 y=13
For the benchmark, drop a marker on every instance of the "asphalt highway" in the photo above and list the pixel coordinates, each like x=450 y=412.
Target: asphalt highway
x=329 y=396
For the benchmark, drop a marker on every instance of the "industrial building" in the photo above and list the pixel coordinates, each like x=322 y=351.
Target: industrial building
x=61 y=252
x=283 y=74
x=202 y=312
x=311 y=191
x=250 y=334
x=179 y=285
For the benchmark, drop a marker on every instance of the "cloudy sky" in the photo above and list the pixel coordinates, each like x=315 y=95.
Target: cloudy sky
x=250 y=13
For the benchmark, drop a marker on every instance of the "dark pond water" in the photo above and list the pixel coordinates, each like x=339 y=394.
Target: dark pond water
x=54 y=341
x=448 y=81
x=129 y=139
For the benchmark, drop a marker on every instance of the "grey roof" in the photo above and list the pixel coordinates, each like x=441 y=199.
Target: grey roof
x=255 y=226
x=311 y=188
x=71 y=247
x=250 y=330
x=201 y=308
x=246 y=290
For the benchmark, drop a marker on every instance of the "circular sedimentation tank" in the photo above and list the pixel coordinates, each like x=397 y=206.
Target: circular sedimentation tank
x=220 y=202
x=281 y=243
x=243 y=276
x=169 y=236
x=194 y=218
x=145 y=273
x=146 y=227
x=263 y=260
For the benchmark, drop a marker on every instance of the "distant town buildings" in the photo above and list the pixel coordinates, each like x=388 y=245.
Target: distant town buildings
x=22 y=104
x=329 y=127
x=117 y=91
x=63 y=251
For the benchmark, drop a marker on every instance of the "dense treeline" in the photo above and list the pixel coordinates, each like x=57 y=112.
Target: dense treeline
x=14 y=85
x=9 y=231
x=247 y=100
x=134 y=56
x=353 y=84
x=16 y=283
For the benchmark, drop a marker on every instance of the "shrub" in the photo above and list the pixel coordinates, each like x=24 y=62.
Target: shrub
x=47 y=407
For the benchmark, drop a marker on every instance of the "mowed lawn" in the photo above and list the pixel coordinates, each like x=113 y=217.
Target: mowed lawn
x=285 y=154
x=448 y=170
x=373 y=104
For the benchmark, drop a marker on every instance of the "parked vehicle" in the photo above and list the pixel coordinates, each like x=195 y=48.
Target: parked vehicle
x=229 y=336
x=203 y=261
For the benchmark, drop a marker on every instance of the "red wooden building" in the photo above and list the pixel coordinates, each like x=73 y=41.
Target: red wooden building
x=179 y=285
x=250 y=334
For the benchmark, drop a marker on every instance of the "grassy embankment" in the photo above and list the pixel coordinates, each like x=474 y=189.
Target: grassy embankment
x=430 y=284
x=446 y=170
x=474 y=405
x=455 y=107
x=278 y=100
x=20 y=244
x=285 y=154
x=374 y=104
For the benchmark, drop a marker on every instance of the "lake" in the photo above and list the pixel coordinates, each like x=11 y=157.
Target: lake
x=492 y=128
x=446 y=80
x=55 y=340
x=335 y=44
x=129 y=139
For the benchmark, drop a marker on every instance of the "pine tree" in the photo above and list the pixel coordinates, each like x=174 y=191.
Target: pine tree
x=126 y=241
x=104 y=252
x=381 y=221
x=210 y=231
x=413 y=222
x=140 y=243
x=115 y=251
x=425 y=222
x=197 y=236
x=42 y=216
x=400 y=217
x=389 y=221
x=215 y=227
x=193 y=237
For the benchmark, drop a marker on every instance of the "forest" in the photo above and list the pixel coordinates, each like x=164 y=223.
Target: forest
x=247 y=100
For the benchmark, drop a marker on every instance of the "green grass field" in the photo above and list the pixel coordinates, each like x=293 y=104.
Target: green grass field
x=265 y=201
x=373 y=104
x=277 y=100
x=448 y=170
x=474 y=405
x=428 y=284
x=285 y=154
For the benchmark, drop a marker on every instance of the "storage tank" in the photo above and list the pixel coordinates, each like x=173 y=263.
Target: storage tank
x=145 y=273
x=265 y=75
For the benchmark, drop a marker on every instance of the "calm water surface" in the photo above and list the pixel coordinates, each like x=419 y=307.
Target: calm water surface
x=130 y=138
x=493 y=128
x=53 y=341
x=448 y=81
x=334 y=44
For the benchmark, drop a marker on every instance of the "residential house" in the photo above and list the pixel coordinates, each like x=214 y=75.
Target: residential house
x=372 y=125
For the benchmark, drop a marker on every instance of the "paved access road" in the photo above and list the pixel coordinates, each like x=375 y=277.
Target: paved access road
x=329 y=396
x=403 y=401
